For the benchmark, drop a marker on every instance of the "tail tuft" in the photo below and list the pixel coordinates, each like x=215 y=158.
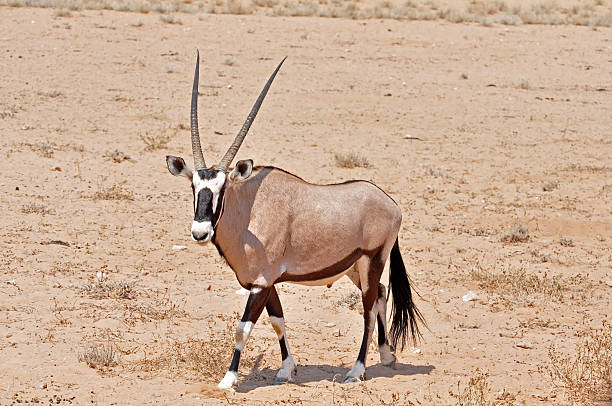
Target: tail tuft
x=404 y=313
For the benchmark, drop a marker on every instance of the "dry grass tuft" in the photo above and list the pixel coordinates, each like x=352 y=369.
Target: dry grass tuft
x=52 y=94
x=351 y=160
x=516 y=285
x=100 y=289
x=35 y=208
x=477 y=392
x=585 y=375
x=197 y=358
x=229 y=61
x=161 y=308
x=117 y=156
x=519 y=233
x=549 y=186
x=100 y=357
x=352 y=300
x=9 y=111
x=157 y=141
x=114 y=192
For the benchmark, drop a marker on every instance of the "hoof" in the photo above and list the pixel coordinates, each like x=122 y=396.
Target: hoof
x=351 y=379
x=228 y=382
x=280 y=381
x=390 y=365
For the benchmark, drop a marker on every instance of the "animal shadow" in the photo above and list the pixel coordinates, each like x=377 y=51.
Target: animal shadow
x=317 y=373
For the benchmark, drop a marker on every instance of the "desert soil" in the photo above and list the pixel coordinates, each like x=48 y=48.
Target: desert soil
x=513 y=125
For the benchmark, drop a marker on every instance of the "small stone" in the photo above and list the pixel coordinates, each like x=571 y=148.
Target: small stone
x=609 y=283
x=525 y=345
x=330 y=324
x=179 y=247
x=415 y=350
x=470 y=296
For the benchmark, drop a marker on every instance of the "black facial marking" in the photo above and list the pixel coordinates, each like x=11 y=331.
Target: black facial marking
x=203 y=210
x=207 y=174
x=203 y=205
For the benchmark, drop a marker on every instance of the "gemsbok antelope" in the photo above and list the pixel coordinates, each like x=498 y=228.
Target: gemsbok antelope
x=272 y=226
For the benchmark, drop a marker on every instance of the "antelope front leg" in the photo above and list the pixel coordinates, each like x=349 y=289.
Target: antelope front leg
x=255 y=305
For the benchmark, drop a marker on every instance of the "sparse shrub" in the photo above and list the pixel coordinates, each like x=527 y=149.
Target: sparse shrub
x=566 y=242
x=114 y=192
x=170 y=19
x=100 y=357
x=35 y=208
x=100 y=289
x=351 y=160
x=518 y=233
x=195 y=357
x=585 y=375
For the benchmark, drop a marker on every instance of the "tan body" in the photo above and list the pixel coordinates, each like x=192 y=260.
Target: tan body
x=271 y=239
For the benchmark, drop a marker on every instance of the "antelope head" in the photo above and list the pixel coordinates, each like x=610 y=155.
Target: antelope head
x=208 y=183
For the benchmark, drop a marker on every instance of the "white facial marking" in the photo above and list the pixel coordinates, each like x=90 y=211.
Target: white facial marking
x=215 y=185
x=206 y=228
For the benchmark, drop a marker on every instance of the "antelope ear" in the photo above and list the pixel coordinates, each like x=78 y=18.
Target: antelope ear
x=242 y=170
x=177 y=166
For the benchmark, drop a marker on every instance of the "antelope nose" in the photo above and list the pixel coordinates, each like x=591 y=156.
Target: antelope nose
x=201 y=231
x=199 y=235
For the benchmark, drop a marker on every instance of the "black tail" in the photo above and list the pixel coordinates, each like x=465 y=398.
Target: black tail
x=404 y=313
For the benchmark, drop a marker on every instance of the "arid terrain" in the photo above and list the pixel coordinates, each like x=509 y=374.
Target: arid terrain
x=495 y=140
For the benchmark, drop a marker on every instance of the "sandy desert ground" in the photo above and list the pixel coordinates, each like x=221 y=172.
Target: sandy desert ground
x=496 y=141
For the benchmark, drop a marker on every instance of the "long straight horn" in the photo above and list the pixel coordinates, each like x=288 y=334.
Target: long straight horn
x=198 y=157
x=233 y=149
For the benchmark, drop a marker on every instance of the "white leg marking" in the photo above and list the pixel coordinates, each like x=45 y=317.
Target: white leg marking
x=229 y=380
x=242 y=334
x=386 y=356
x=284 y=374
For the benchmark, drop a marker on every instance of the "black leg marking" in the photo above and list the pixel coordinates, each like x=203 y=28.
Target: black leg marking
x=382 y=334
x=235 y=361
